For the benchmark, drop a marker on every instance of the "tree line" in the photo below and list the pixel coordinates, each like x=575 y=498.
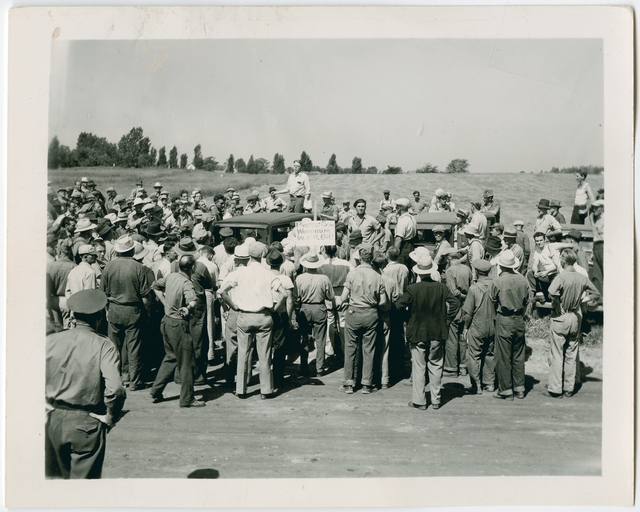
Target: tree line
x=134 y=150
x=590 y=169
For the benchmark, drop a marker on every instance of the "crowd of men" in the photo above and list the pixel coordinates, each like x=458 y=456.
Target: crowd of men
x=151 y=272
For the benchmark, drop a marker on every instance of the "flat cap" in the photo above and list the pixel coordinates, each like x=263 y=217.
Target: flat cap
x=482 y=266
x=87 y=302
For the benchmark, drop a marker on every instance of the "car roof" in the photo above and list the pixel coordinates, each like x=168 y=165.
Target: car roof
x=261 y=220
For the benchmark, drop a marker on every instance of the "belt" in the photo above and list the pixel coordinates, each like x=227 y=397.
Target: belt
x=313 y=303
x=507 y=312
x=292 y=195
x=56 y=404
x=263 y=311
x=128 y=304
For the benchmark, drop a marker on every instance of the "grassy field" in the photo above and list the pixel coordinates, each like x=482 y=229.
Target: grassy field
x=173 y=180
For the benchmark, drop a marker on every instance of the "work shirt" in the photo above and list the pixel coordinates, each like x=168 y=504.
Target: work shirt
x=427 y=303
x=458 y=278
x=568 y=286
x=288 y=268
x=365 y=286
x=368 y=225
x=178 y=292
x=212 y=268
x=57 y=273
x=523 y=241
x=220 y=255
x=478 y=309
x=417 y=206
x=399 y=272
x=82 y=277
x=287 y=285
x=314 y=288
x=162 y=268
x=274 y=203
x=200 y=278
x=492 y=207
x=386 y=203
x=407 y=227
x=337 y=271
x=559 y=217
x=83 y=369
x=598 y=228
x=125 y=281
x=329 y=212
x=480 y=222
x=392 y=288
x=542 y=260
x=298 y=184
x=256 y=287
x=509 y=293
x=518 y=253
x=545 y=224
x=438 y=249
x=345 y=215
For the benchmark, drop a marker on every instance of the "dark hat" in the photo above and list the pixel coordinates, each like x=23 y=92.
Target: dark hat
x=554 y=203
x=461 y=212
x=87 y=302
x=575 y=234
x=153 y=229
x=476 y=204
x=509 y=234
x=139 y=182
x=381 y=218
x=386 y=191
x=226 y=231
x=272 y=189
x=275 y=258
x=355 y=235
x=543 y=204
x=493 y=245
x=366 y=252
x=186 y=247
x=252 y=198
x=488 y=193
x=482 y=266
x=104 y=227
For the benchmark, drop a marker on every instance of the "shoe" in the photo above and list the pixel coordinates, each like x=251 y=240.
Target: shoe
x=548 y=393
x=568 y=394
x=449 y=373
x=367 y=390
x=473 y=390
x=347 y=389
x=519 y=394
x=419 y=407
x=408 y=382
x=138 y=387
x=195 y=403
x=489 y=389
x=241 y=396
x=463 y=372
x=322 y=373
x=268 y=396
x=435 y=407
x=503 y=397
x=385 y=386
x=156 y=398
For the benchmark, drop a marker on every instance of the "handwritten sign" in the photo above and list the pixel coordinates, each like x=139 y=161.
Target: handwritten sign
x=317 y=232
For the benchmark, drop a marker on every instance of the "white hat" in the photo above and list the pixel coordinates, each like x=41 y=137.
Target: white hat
x=241 y=252
x=84 y=225
x=507 y=259
x=440 y=193
x=403 y=201
x=158 y=184
x=86 y=249
x=311 y=260
x=137 y=201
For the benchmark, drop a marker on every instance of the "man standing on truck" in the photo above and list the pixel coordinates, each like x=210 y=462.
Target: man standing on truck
x=298 y=188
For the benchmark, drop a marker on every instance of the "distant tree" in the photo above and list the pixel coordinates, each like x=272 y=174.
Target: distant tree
x=356 y=165
x=332 y=166
x=589 y=169
x=53 y=158
x=306 y=165
x=209 y=164
x=458 y=165
x=197 y=157
x=262 y=166
x=370 y=170
x=92 y=150
x=251 y=166
x=134 y=149
x=554 y=170
x=230 y=164
x=173 y=158
x=162 y=157
x=183 y=161
x=153 y=156
x=392 y=170
x=241 y=166
x=427 y=169
x=278 y=164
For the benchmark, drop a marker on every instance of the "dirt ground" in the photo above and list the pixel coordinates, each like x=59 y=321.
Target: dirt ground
x=311 y=429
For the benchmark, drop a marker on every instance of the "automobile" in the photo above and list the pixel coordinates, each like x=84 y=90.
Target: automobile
x=586 y=242
x=264 y=227
x=427 y=221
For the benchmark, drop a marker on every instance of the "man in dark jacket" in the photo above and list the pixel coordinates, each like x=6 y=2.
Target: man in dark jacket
x=427 y=303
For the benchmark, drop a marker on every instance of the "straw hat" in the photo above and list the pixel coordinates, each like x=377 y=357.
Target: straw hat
x=312 y=261
x=507 y=259
x=124 y=244
x=84 y=225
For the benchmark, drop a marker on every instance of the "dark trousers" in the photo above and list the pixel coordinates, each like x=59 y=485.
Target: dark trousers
x=296 y=204
x=279 y=346
x=509 y=353
x=124 y=331
x=480 y=359
x=455 y=352
x=540 y=284
x=405 y=248
x=313 y=322
x=231 y=346
x=361 y=326
x=577 y=217
x=198 y=329
x=179 y=353
x=75 y=445
x=596 y=273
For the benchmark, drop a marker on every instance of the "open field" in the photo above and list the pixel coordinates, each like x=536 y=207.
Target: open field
x=312 y=430
x=173 y=180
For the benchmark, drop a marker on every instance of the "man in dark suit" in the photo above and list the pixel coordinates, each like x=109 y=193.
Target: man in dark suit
x=427 y=303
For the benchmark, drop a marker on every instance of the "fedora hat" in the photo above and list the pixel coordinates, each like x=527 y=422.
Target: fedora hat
x=440 y=193
x=157 y=185
x=554 y=204
x=87 y=302
x=104 y=227
x=327 y=194
x=488 y=193
x=274 y=258
x=507 y=259
x=461 y=212
x=493 y=245
x=241 y=252
x=123 y=216
x=312 y=261
x=185 y=247
x=424 y=267
x=153 y=229
x=84 y=225
x=421 y=255
x=403 y=201
x=86 y=249
x=510 y=234
x=137 y=201
x=356 y=234
x=543 y=204
x=124 y=244
x=140 y=251
x=575 y=234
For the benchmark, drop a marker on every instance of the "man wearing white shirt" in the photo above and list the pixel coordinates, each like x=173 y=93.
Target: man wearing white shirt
x=298 y=188
x=406 y=230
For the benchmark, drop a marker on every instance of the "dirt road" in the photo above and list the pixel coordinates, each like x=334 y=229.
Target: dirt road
x=313 y=430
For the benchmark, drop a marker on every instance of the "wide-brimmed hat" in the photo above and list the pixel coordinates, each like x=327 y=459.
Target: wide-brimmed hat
x=488 y=193
x=554 y=204
x=257 y=250
x=482 y=266
x=87 y=302
x=356 y=234
x=140 y=251
x=84 y=225
x=186 y=246
x=84 y=179
x=274 y=258
x=493 y=245
x=137 y=201
x=124 y=244
x=252 y=197
x=424 y=262
x=472 y=230
x=420 y=254
x=226 y=231
x=312 y=261
x=111 y=189
x=86 y=249
x=543 y=204
x=440 y=193
x=403 y=201
x=123 y=216
x=111 y=217
x=104 y=227
x=518 y=223
x=235 y=196
x=461 y=212
x=327 y=194
x=575 y=234
x=507 y=259
x=157 y=184
x=153 y=229
x=241 y=252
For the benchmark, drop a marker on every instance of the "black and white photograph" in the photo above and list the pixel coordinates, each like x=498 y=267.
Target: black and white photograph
x=297 y=253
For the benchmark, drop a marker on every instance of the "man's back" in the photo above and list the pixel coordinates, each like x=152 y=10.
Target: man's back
x=428 y=303
x=509 y=292
x=125 y=281
x=57 y=273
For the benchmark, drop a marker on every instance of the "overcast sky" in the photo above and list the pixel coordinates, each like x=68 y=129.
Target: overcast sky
x=504 y=105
